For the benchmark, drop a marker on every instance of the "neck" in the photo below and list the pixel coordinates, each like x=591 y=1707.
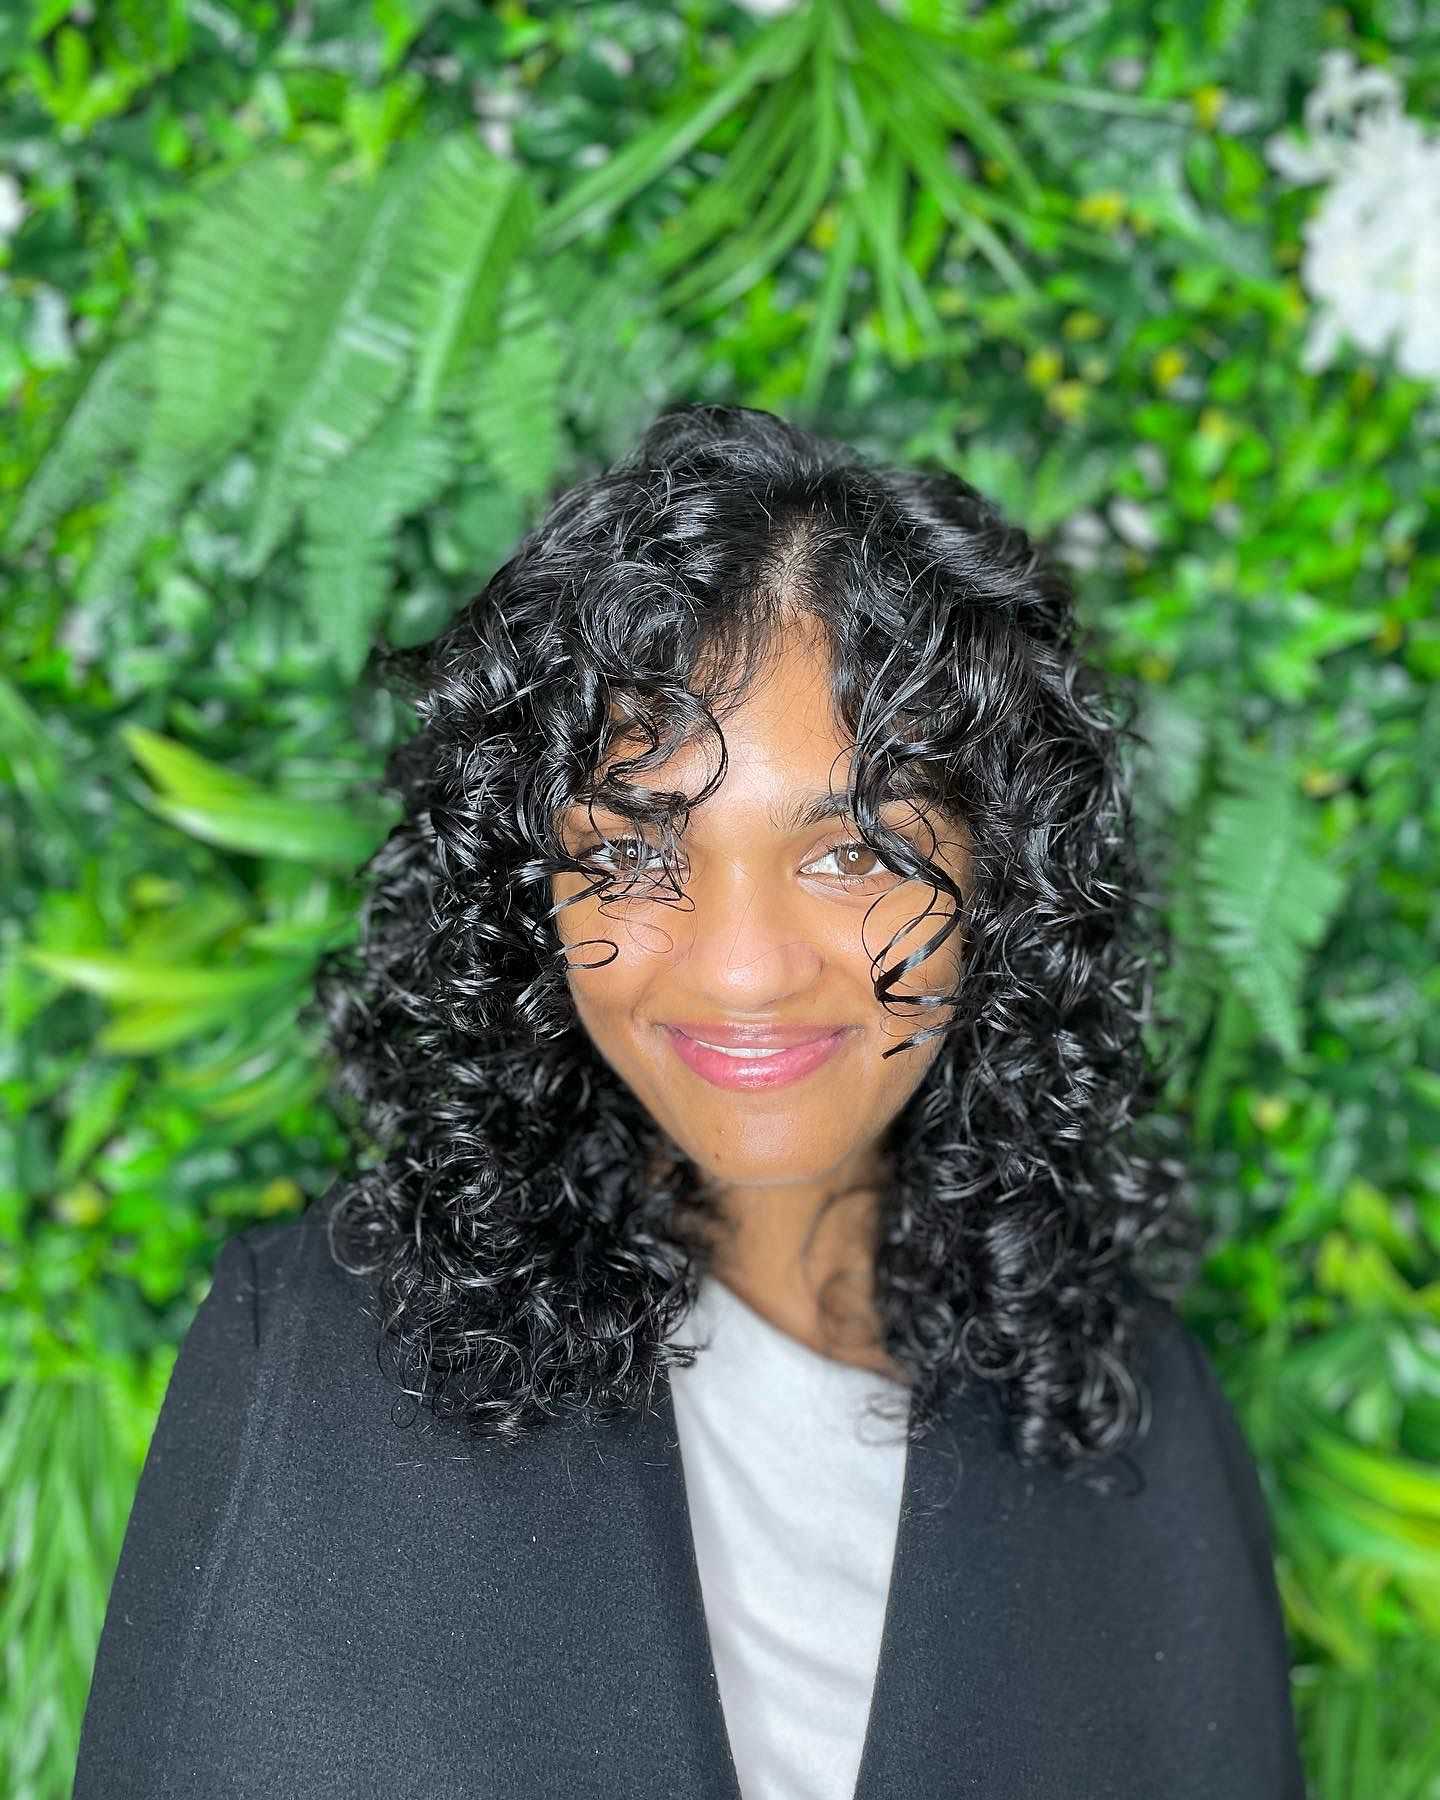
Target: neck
x=802 y=1255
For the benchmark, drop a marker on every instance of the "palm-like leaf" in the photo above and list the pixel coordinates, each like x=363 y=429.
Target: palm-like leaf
x=848 y=108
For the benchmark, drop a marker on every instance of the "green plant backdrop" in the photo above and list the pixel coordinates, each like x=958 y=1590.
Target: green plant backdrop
x=304 y=313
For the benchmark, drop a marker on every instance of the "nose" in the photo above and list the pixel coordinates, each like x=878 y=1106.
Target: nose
x=747 y=944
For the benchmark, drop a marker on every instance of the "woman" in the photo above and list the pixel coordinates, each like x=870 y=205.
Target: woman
x=748 y=1026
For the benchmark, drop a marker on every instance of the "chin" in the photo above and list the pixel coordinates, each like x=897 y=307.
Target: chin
x=757 y=1170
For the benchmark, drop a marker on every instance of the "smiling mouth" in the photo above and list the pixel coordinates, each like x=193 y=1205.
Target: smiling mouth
x=751 y=1066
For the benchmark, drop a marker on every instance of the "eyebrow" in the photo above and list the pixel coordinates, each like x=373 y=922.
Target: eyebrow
x=800 y=813
x=806 y=810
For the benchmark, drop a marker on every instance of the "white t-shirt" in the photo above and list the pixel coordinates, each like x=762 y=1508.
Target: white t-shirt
x=794 y=1505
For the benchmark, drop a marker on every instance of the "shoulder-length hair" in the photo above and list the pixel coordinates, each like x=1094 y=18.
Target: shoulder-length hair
x=535 y=1237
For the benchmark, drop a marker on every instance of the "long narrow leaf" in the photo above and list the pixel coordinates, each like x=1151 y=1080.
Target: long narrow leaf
x=727 y=202
x=830 y=307
x=774 y=52
x=787 y=215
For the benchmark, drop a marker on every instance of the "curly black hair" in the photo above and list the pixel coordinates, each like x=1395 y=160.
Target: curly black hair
x=536 y=1236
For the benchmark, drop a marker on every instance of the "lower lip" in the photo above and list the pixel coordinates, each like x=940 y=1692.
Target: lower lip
x=778 y=1070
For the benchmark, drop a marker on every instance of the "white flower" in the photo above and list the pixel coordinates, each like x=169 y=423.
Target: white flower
x=47 y=337
x=1133 y=523
x=1080 y=539
x=1372 y=247
x=12 y=208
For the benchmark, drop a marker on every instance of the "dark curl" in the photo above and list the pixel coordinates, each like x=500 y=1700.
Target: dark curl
x=536 y=1235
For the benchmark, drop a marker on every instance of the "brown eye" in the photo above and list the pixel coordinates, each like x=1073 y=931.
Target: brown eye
x=634 y=864
x=850 y=859
x=625 y=855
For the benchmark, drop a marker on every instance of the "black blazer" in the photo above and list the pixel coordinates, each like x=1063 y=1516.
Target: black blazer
x=311 y=1602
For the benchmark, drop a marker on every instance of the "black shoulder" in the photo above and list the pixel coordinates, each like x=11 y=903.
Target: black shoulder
x=1195 y=1425
x=297 y=1281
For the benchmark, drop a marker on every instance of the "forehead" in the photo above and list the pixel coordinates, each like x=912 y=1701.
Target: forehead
x=781 y=733
x=788 y=757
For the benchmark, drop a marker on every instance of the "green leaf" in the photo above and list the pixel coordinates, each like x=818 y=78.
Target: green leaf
x=102 y=423
x=232 y=287
x=515 y=391
x=236 y=813
x=349 y=353
x=118 y=977
x=350 y=521
x=1267 y=898
x=477 y=213
x=232 y=284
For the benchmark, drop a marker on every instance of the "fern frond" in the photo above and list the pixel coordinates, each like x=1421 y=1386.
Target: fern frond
x=476 y=214
x=144 y=506
x=101 y=425
x=350 y=522
x=624 y=362
x=1268 y=898
x=350 y=352
x=515 y=386
x=231 y=288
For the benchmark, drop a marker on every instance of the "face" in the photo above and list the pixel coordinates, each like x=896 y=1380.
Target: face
x=774 y=934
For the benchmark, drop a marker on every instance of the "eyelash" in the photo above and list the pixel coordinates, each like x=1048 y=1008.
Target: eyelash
x=844 y=880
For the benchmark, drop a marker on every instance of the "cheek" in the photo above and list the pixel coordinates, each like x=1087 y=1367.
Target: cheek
x=912 y=918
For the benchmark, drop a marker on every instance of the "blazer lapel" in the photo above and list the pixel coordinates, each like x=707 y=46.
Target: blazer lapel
x=641 y=1574
x=911 y=1679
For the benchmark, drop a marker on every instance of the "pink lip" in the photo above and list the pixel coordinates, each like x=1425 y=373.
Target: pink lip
x=784 y=1065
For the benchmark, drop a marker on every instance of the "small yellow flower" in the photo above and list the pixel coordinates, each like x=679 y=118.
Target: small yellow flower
x=825 y=230
x=1043 y=367
x=1095 y=368
x=282 y=1195
x=1081 y=325
x=83 y=1204
x=1215 y=422
x=1069 y=399
x=1154 y=667
x=1270 y=1111
x=1168 y=366
x=1318 y=782
x=1208 y=102
x=1106 y=208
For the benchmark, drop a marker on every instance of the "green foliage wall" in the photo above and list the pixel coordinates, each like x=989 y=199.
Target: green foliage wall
x=304 y=315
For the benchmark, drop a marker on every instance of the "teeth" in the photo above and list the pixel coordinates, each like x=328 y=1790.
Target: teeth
x=725 y=1050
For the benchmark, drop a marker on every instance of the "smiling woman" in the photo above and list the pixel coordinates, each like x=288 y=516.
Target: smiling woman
x=745 y=1035
x=744 y=964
